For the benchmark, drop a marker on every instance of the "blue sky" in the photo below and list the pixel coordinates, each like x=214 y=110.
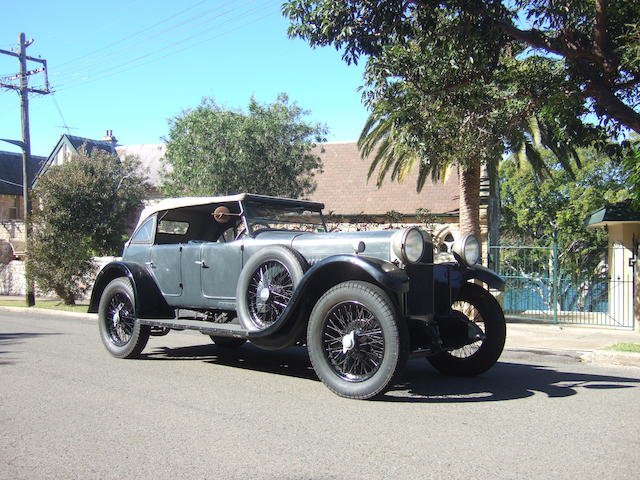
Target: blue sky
x=129 y=66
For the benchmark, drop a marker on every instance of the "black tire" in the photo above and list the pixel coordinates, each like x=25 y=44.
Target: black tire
x=120 y=330
x=266 y=285
x=483 y=309
x=357 y=342
x=228 y=342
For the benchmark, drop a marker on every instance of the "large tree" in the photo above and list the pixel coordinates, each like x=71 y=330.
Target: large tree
x=594 y=43
x=86 y=206
x=443 y=93
x=266 y=150
x=448 y=83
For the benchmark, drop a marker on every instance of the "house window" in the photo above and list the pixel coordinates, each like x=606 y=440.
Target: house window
x=14 y=210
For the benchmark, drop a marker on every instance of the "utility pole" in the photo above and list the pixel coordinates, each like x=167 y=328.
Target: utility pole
x=24 y=91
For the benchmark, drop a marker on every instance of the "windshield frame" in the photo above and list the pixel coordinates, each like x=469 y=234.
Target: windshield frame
x=251 y=217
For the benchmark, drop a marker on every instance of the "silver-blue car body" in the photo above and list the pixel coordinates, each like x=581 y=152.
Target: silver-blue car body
x=266 y=270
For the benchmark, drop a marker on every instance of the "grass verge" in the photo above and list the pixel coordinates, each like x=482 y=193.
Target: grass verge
x=625 y=347
x=49 y=304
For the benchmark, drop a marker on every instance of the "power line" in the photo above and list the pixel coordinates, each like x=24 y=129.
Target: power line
x=139 y=61
x=133 y=34
x=187 y=25
x=55 y=102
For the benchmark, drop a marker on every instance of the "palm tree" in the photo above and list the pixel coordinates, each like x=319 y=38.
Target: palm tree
x=394 y=155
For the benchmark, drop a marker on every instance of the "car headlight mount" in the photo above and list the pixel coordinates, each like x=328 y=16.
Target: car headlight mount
x=408 y=245
x=467 y=250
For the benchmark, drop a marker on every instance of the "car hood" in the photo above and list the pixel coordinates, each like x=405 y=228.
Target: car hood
x=316 y=246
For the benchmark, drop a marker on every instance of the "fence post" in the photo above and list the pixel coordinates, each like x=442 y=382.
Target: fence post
x=555 y=276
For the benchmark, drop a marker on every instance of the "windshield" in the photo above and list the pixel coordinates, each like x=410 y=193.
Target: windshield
x=261 y=216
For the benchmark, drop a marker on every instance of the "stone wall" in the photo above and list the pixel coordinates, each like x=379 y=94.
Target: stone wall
x=12 y=277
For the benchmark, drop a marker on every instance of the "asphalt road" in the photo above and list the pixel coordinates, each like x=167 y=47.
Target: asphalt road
x=189 y=410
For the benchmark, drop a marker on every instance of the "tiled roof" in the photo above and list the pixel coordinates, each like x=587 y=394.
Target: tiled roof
x=11 y=171
x=342 y=186
x=150 y=156
x=344 y=189
x=90 y=144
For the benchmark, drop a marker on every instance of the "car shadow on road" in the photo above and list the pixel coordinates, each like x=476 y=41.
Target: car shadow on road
x=421 y=382
x=292 y=362
x=14 y=338
x=505 y=381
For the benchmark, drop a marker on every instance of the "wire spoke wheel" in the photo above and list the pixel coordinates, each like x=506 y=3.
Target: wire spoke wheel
x=120 y=330
x=474 y=315
x=270 y=290
x=481 y=308
x=120 y=319
x=353 y=341
x=357 y=341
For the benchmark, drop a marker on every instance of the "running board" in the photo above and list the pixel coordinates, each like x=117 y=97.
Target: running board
x=207 y=328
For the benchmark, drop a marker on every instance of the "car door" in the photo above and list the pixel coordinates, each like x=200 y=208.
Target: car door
x=165 y=265
x=220 y=268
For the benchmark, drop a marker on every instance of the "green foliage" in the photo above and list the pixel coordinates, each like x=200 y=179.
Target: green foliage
x=533 y=208
x=86 y=207
x=625 y=347
x=562 y=53
x=267 y=150
x=458 y=83
x=631 y=164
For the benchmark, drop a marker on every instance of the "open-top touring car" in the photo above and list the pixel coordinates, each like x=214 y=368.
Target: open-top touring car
x=263 y=269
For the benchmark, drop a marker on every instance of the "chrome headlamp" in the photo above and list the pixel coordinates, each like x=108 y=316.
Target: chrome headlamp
x=408 y=245
x=467 y=250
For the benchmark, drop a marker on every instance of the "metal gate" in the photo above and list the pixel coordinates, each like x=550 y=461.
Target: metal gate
x=538 y=289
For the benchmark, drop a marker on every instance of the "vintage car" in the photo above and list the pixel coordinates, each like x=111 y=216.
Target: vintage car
x=264 y=269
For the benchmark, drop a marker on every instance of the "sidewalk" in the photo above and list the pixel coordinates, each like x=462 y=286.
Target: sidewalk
x=586 y=343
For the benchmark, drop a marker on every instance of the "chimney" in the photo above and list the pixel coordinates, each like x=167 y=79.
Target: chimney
x=108 y=137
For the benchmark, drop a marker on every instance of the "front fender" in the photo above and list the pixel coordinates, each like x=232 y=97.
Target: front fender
x=482 y=273
x=148 y=299
x=450 y=277
x=378 y=271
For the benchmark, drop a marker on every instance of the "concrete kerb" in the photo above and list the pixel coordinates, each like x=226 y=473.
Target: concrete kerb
x=583 y=343
x=627 y=359
x=50 y=311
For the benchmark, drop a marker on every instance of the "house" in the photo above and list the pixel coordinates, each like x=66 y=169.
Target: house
x=150 y=156
x=70 y=145
x=351 y=201
x=11 y=203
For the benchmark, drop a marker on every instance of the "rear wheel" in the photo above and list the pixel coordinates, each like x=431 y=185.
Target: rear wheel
x=120 y=330
x=480 y=307
x=357 y=342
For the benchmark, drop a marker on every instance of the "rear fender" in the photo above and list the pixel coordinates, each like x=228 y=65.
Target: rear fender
x=148 y=299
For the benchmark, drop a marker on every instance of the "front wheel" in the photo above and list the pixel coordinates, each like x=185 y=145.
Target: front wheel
x=480 y=307
x=357 y=342
x=120 y=330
